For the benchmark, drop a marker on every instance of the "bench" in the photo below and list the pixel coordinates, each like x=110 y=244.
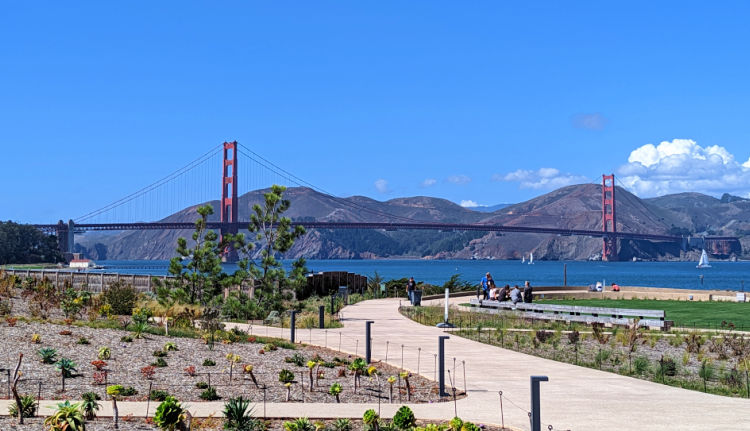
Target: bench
x=577 y=313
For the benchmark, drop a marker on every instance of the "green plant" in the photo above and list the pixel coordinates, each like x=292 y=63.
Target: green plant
x=706 y=372
x=129 y=392
x=286 y=376
x=269 y=347
x=201 y=385
x=28 y=407
x=335 y=390
x=139 y=328
x=115 y=392
x=158 y=395
x=48 y=355
x=66 y=367
x=67 y=417
x=170 y=347
x=159 y=353
x=238 y=415
x=83 y=341
x=640 y=365
x=371 y=419
x=209 y=394
x=90 y=405
x=36 y=338
x=104 y=353
x=126 y=339
x=341 y=424
x=209 y=362
x=456 y=423
x=169 y=414
x=299 y=424
x=160 y=362
x=121 y=298
x=469 y=426
x=404 y=418
x=296 y=359
x=358 y=366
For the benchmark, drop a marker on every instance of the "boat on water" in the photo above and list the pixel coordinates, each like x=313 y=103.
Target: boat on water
x=531 y=258
x=523 y=259
x=703 y=262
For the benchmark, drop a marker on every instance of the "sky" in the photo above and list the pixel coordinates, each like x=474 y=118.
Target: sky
x=480 y=103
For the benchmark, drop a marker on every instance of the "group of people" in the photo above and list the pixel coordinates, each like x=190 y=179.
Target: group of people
x=491 y=291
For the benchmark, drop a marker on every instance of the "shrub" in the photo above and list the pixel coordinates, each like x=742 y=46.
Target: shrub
x=83 y=341
x=28 y=407
x=5 y=308
x=341 y=424
x=104 y=353
x=299 y=424
x=296 y=359
x=201 y=385
x=99 y=377
x=209 y=394
x=67 y=417
x=48 y=355
x=469 y=426
x=335 y=390
x=148 y=372
x=640 y=364
x=129 y=392
x=456 y=423
x=404 y=418
x=169 y=414
x=126 y=339
x=89 y=405
x=99 y=365
x=371 y=419
x=286 y=376
x=121 y=298
x=209 y=362
x=269 y=347
x=190 y=371
x=543 y=336
x=159 y=353
x=170 y=347
x=238 y=415
x=158 y=395
x=160 y=362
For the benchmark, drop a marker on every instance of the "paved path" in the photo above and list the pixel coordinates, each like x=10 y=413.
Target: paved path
x=575 y=398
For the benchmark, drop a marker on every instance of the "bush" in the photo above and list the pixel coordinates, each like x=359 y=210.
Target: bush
x=209 y=394
x=148 y=372
x=341 y=424
x=404 y=418
x=299 y=424
x=640 y=365
x=89 y=405
x=209 y=362
x=121 y=298
x=67 y=417
x=159 y=353
x=158 y=395
x=83 y=341
x=201 y=385
x=169 y=414
x=286 y=376
x=170 y=347
x=238 y=416
x=129 y=392
x=126 y=339
x=28 y=407
x=296 y=359
x=104 y=353
x=47 y=355
x=160 y=362
x=370 y=419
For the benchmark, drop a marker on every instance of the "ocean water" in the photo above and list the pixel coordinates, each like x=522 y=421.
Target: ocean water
x=682 y=275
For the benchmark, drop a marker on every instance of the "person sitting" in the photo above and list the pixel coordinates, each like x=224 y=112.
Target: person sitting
x=528 y=293
x=599 y=286
x=491 y=290
x=615 y=287
x=515 y=295
x=502 y=295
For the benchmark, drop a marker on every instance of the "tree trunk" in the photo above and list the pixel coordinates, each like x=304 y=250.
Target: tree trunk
x=115 y=412
x=16 y=397
x=166 y=325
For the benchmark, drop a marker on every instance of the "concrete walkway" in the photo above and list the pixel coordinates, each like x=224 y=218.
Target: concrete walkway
x=575 y=398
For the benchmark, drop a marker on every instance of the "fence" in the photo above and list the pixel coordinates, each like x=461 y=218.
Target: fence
x=91 y=281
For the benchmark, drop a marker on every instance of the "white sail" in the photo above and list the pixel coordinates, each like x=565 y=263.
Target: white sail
x=523 y=259
x=703 y=262
x=531 y=258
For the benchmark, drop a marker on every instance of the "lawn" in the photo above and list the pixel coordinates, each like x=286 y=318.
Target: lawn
x=684 y=313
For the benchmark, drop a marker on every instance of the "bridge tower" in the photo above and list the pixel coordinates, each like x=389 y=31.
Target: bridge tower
x=229 y=199
x=609 y=222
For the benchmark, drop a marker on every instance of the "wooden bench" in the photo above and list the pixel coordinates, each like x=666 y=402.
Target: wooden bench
x=577 y=313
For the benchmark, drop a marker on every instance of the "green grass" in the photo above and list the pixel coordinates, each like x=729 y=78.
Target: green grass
x=697 y=314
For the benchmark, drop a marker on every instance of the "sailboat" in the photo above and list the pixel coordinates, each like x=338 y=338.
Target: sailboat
x=531 y=258
x=703 y=262
x=523 y=259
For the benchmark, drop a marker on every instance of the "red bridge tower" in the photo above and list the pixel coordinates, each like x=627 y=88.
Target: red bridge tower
x=609 y=222
x=229 y=199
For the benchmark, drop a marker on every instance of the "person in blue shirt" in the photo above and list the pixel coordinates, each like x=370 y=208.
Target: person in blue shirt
x=485 y=282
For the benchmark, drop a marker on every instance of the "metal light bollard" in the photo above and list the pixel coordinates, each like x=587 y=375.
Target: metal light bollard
x=292 y=324
x=536 y=424
x=368 y=340
x=441 y=376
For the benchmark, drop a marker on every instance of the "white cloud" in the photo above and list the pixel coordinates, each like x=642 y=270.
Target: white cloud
x=595 y=121
x=381 y=186
x=543 y=178
x=429 y=182
x=459 y=179
x=469 y=204
x=681 y=165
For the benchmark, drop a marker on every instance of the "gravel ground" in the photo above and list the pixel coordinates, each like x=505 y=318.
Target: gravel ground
x=127 y=359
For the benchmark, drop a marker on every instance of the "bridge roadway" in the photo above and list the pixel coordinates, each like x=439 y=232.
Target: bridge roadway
x=382 y=225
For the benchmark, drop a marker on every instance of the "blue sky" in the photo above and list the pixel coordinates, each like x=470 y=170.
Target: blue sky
x=486 y=102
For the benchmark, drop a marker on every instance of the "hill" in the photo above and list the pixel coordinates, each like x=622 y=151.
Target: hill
x=575 y=207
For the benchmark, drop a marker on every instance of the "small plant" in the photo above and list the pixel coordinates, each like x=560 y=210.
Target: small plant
x=67 y=417
x=209 y=394
x=391 y=380
x=115 y=392
x=248 y=369
x=371 y=419
x=159 y=353
x=232 y=358
x=706 y=372
x=170 y=347
x=341 y=424
x=358 y=367
x=28 y=407
x=201 y=385
x=65 y=332
x=11 y=321
x=335 y=390
x=190 y=371
x=405 y=376
x=299 y=424
x=66 y=367
x=269 y=347
x=209 y=362
x=169 y=414
x=105 y=353
x=238 y=415
x=126 y=339
x=99 y=365
x=160 y=362
x=296 y=359
x=404 y=418
x=148 y=372
x=36 y=338
x=456 y=423
x=640 y=365
x=83 y=341
x=90 y=405
x=47 y=355
x=99 y=377
x=543 y=336
x=158 y=395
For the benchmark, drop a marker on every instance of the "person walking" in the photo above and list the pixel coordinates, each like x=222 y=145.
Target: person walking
x=411 y=286
x=485 y=284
